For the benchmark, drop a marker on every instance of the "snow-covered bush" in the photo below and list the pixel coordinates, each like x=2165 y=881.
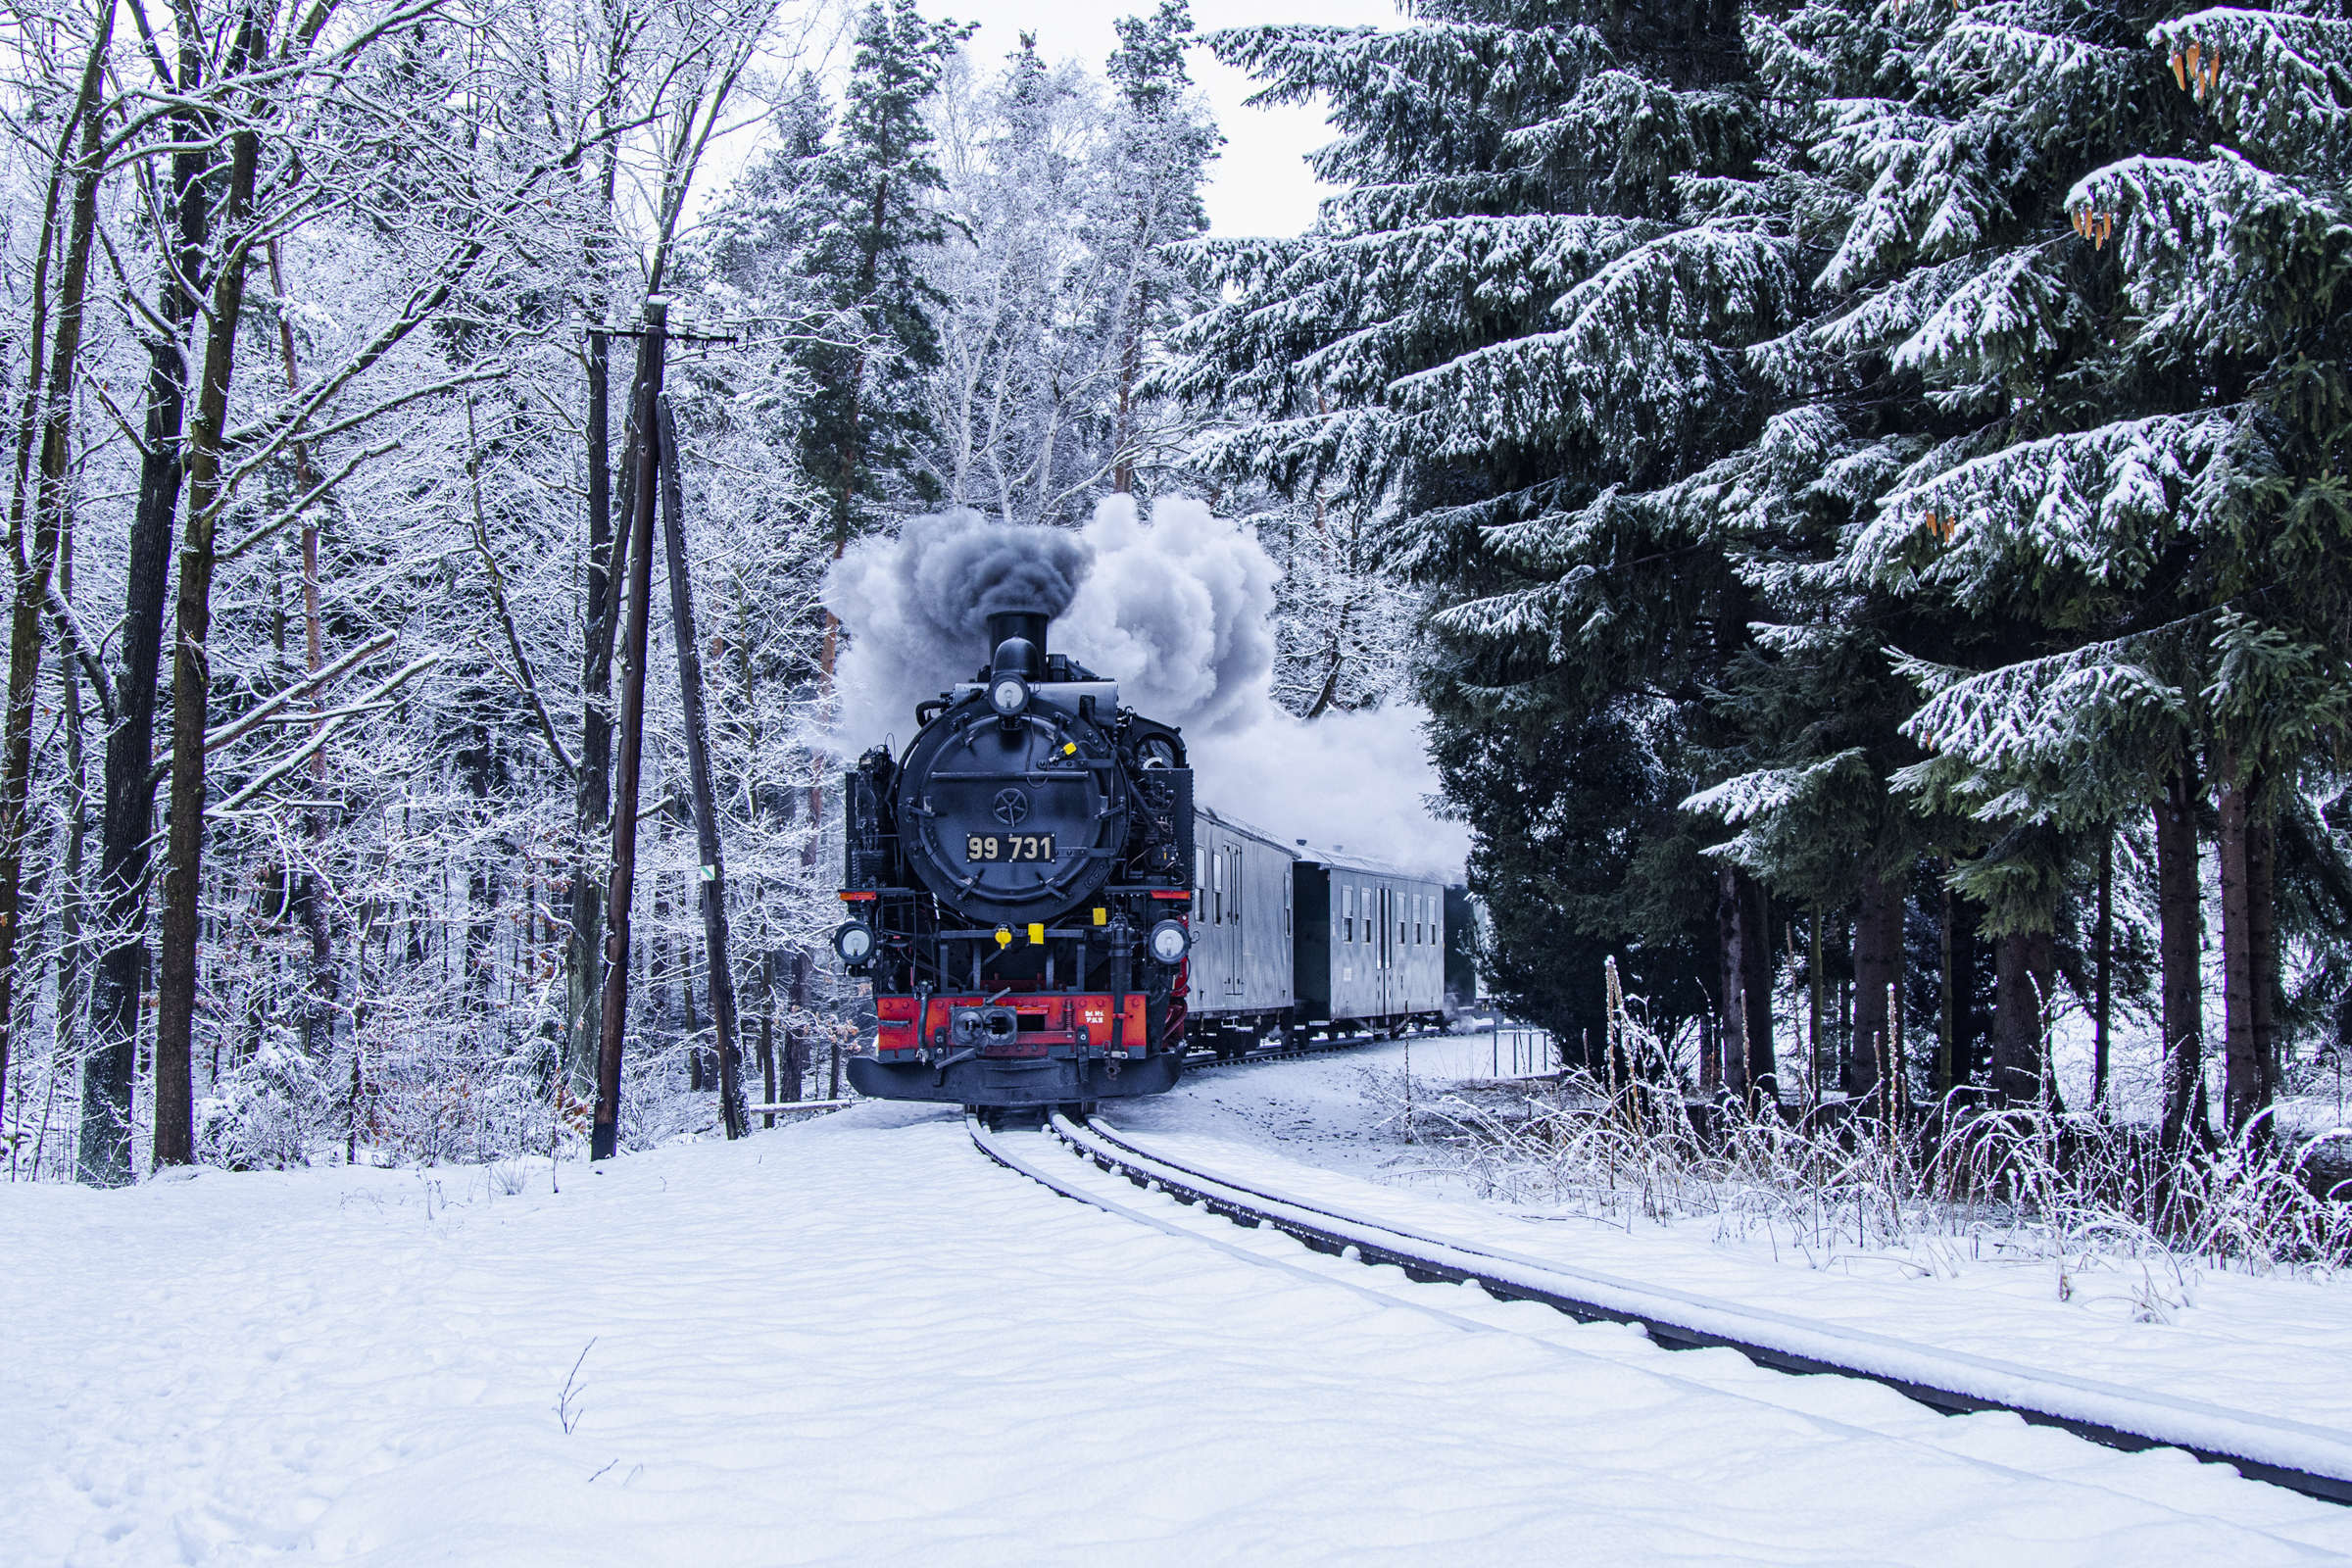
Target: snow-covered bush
x=2021 y=1183
x=267 y=1111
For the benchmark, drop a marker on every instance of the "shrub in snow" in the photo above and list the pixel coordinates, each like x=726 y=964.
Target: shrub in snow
x=265 y=1112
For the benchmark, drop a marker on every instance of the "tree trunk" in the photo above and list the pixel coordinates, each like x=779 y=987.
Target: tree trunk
x=126 y=826
x=50 y=501
x=768 y=1059
x=2262 y=932
x=2181 y=938
x=1813 y=1034
x=2247 y=974
x=1877 y=967
x=592 y=801
x=613 y=1020
x=2104 y=983
x=1947 y=1008
x=1756 y=993
x=175 y=991
x=2023 y=969
x=65 y=1033
x=797 y=1061
x=1731 y=1033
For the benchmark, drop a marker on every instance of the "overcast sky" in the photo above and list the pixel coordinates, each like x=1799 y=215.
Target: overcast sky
x=1260 y=185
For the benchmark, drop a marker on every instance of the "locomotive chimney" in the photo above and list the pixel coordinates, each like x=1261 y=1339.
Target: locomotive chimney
x=1017 y=642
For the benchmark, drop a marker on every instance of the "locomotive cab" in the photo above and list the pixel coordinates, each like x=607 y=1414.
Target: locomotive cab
x=1017 y=888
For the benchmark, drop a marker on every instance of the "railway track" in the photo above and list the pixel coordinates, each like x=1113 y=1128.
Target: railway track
x=2313 y=1460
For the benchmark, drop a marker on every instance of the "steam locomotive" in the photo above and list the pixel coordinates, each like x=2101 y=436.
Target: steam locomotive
x=1048 y=919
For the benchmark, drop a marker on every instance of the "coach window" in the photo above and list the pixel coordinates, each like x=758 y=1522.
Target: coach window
x=1200 y=878
x=1216 y=872
x=1348 y=899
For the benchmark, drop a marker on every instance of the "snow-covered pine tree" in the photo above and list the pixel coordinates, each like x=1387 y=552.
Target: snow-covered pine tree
x=2146 y=493
x=876 y=338
x=750 y=253
x=1507 y=322
x=1161 y=142
x=1941 y=323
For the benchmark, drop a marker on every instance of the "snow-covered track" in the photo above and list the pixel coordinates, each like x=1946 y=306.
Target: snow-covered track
x=2313 y=1460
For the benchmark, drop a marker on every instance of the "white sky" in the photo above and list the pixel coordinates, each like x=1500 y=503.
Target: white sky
x=1260 y=185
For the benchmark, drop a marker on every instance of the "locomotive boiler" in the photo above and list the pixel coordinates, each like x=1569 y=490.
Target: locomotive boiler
x=1018 y=885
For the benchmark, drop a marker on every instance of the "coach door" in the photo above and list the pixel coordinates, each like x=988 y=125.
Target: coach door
x=1388 y=955
x=1238 y=987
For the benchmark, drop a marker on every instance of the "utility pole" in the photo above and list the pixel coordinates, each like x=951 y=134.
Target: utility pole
x=605 y=1134
x=713 y=878
x=592 y=806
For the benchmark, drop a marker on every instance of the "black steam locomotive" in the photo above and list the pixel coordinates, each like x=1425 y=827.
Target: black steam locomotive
x=1048 y=920
x=1018 y=883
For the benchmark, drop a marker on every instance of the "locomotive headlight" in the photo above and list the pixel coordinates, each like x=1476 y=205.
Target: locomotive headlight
x=855 y=942
x=1169 y=941
x=1008 y=695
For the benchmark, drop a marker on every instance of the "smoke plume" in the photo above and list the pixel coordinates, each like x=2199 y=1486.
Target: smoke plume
x=1179 y=612
x=917 y=609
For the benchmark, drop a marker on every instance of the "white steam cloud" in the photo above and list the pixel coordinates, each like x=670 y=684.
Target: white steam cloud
x=918 y=608
x=1179 y=612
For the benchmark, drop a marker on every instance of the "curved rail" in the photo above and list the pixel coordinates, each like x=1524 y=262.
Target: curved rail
x=2313 y=1460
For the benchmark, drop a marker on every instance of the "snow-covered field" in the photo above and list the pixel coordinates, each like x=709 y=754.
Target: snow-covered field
x=857 y=1340
x=2280 y=1345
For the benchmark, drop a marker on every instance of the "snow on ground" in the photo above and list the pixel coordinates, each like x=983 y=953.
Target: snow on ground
x=856 y=1341
x=2280 y=1345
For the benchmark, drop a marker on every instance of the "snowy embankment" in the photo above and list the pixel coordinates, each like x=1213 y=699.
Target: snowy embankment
x=2278 y=1345
x=859 y=1341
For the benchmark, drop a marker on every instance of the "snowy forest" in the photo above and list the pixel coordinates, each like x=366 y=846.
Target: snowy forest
x=1856 y=488
x=1877 y=473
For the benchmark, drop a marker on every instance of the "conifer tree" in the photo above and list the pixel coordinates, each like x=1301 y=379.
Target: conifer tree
x=2150 y=493
x=1162 y=145
x=1939 y=325
x=1508 y=321
x=875 y=339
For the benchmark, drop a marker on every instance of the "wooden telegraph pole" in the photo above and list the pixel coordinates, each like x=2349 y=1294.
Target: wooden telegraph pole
x=605 y=1134
x=714 y=877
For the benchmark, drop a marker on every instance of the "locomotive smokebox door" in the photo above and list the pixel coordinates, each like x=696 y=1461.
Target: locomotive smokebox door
x=1013 y=818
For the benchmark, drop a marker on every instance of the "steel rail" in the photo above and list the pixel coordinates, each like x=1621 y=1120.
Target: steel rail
x=2313 y=1460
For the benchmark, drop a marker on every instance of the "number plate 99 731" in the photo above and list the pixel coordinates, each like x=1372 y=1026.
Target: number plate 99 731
x=1009 y=847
